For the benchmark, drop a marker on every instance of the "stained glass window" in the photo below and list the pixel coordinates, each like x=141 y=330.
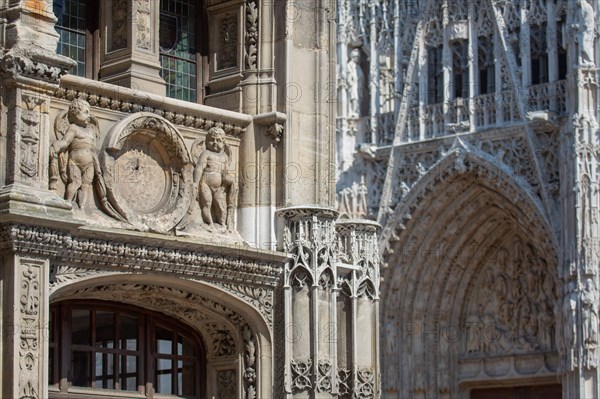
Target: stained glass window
x=178 y=37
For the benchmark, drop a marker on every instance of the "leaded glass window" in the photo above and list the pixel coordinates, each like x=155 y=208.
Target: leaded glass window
x=71 y=27
x=178 y=39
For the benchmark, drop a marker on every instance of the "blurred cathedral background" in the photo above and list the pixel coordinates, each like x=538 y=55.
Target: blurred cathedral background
x=469 y=130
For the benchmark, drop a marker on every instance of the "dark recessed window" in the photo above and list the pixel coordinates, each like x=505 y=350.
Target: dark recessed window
x=105 y=346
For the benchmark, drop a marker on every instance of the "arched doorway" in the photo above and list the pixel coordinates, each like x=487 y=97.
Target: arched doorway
x=471 y=292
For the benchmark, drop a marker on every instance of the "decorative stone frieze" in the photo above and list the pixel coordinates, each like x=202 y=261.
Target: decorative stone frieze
x=134 y=255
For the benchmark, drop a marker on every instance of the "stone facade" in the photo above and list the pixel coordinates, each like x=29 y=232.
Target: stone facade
x=476 y=137
x=215 y=218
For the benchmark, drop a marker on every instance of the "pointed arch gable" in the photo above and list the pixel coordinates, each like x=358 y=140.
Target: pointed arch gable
x=480 y=168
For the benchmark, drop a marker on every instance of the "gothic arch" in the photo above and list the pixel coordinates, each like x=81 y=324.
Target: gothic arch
x=212 y=312
x=445 y=242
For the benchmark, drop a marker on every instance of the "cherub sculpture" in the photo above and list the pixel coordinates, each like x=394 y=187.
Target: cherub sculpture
x=73 y=157
x=216 y=187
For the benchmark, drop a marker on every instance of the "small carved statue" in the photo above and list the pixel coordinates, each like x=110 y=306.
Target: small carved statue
x=584 y=28
x=216 y=188
x=74 y=158
x=570 y=323
x=355 y=80
x=79 y=144
x=589 y=304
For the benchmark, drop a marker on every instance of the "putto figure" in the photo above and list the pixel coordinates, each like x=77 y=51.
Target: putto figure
x=76 y=152
x=73 y=158
x=216 y=188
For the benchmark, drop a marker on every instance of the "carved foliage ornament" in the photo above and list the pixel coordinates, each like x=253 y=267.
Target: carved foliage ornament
x=144 y=26
x=250 y=369
x=136 y=257
x=223 y=343
x=251 y=34
x=16 y=62
x=301 y=374
x=29 y=322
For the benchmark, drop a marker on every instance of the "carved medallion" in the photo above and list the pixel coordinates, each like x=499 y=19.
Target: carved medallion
x=148 y=172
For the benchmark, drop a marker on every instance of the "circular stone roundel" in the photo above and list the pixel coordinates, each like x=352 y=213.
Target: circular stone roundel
x=148 y=172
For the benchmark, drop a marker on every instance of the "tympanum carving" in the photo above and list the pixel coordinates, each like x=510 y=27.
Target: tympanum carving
x=514 y=310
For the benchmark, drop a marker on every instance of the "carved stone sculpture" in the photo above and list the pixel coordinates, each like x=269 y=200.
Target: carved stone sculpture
x=74 y=158
x=216 y=188
x=514 y=312
x=584 y=27
x=355 y=80
x=148 y=172
x=589 y=304
x=569 y=310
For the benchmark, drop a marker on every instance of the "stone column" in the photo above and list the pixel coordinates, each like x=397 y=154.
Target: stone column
x=29 y=73
x=305 y=44
x=130 y=54
x=310 y=301
x=24 y=343
x=580 y=238
x=358 y=282
x=261 y=148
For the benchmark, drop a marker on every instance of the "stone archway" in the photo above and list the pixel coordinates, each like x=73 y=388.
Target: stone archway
x=471 y=257
x=237 y=341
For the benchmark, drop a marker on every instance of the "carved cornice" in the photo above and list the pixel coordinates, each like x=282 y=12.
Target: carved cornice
x=209 y=263
x=116 y=98
x=38 y=65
